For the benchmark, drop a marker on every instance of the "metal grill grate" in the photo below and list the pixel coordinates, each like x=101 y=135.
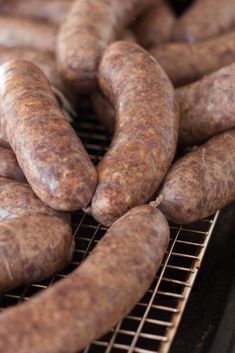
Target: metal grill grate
x=150 y=327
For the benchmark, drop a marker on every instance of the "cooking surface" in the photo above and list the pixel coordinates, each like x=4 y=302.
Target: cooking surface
x=152 y=324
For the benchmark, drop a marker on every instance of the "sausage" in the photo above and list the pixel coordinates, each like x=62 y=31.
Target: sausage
x=155 y=25
x=205 y=19
x=47 y=148
x=90 y=26
x=3 y=142
x=207 y=106
x=145 y=135
x=9 y=167
x=18 y=32
x=127 y=257
x=33 y=248
x=18 y=200
x=44 y=60
x=185 y=62
x=104 y=110
x=52 y=11
x=201 y=182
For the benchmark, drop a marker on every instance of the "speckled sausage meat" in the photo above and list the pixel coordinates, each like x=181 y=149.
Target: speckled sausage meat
x=201 y=182
x=205 y=19
x=90 y=26
x=9 y=167
x=18 y=32
x=44 y=60
x=185 y=63
x=36 y=241
x=207 y=106
x=155 y=25
x=33 y=248
x=18 y=199
x=127 y=258
x=145 y=135
x=52 y=11
x=48 y=150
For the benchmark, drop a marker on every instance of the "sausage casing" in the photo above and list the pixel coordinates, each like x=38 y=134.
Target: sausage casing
x=18 y=32
x=185 y=63
x=48 y=150
x=207 y=106
x=205 y=19
x=127 y=257
x=90 y=26
x=145 y=135
x=9 y=167
x=33 y=248
x=201 y=182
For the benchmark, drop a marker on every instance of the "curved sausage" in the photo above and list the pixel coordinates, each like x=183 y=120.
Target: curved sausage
x=90 y=26
x=18 y=199
x=205 y=19
x=52 y=11
x=33 y=248
x=185 y=63
x=44 y=60
x=155 y=25
x=48 y=150
x=18 y=32
x=207 y=106
x=9 y=167
x=127 y=258
x=145 y=135
x=201 y=182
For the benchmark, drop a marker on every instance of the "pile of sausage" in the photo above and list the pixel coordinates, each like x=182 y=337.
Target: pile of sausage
x=143 y=68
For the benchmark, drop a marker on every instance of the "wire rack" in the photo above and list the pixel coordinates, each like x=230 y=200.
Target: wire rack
x=151 y=326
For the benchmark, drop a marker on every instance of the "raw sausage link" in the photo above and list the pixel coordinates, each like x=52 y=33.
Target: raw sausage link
x=155 y=26
x=18 y=32
x=52 y=11
x=146 y=130
x=127 y=257
x=33 y=248
x=205 y=19
x=89 y=27
x=201 y=182
x=207 y=106
x=18 y=199
x=9 y=167
x=185 y=63
x=48 y=150
x=44 y=60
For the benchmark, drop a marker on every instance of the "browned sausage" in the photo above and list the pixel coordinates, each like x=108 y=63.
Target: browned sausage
x=201 y=182
x=155 y=25
x=48 y=150
x=89 y=27
x=18 y=199
x=9 y=167
x=33 y=248
x=89 y=300
x=3 y=142
x=145 y=135
x=185 y=63
x=205 y=19
x=52 y=11
x=207 y=106
x=44 y=60
x=18 y=32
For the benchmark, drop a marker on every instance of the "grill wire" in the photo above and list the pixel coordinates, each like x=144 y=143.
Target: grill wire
x=151 y=326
